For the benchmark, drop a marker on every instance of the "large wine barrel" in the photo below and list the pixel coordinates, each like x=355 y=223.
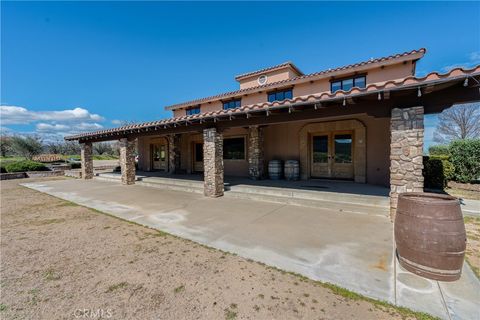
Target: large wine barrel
x=430 y=235
x=275 y=169
x=292 y=170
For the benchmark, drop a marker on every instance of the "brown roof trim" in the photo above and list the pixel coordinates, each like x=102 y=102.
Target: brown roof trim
x=272 y=68
x=393 y=85
x=307 y=77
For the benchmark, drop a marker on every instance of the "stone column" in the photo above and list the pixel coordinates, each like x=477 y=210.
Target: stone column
x=255 y=152
x=213 y=162
x=86 y=154
x=173 y=153
x=127 y=160
x=406 y=153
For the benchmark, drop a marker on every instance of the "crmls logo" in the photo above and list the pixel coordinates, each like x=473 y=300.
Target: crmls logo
x=93 y=314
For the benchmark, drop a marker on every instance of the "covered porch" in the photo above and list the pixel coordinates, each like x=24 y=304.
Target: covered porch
x=384 y=127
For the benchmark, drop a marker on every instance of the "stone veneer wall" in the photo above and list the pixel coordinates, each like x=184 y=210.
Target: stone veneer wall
x=255 y=153
x=173 y=153
x=127 y=160
x=86 y=154
x=213 y=162
x=406 y=153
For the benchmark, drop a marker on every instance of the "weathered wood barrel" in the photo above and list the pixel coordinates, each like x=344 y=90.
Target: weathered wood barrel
x=275 y=169
x=292 y=170
x=430 y=235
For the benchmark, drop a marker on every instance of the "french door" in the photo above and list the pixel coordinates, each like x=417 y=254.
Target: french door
x=332 y=155
x=159 y=156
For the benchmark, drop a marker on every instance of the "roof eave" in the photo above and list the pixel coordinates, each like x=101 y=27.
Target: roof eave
x=412 y=56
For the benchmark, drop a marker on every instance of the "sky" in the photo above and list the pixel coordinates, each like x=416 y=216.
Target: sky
x=78 y=66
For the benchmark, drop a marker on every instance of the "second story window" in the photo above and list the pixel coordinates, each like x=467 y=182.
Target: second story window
x=193 y=110
x=280 y=95
x=232 y=104
x=348 y=83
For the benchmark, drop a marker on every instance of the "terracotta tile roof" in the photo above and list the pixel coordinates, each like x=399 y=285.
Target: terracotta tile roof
x=392 y=85
x=299 y=79
x=278 y=66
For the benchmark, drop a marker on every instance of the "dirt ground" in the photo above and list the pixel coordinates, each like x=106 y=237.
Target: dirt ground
x=472 y=226
x=63 y=261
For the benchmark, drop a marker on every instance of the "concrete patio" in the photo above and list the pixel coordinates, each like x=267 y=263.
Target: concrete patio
x=351 y=249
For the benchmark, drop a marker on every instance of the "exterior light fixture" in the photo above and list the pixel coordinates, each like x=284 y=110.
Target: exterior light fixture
x=344 y=102
x=419 y=93
x=465 y=83
x=379 y=96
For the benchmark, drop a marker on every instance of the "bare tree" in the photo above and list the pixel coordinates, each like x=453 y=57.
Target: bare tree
x=458 y=122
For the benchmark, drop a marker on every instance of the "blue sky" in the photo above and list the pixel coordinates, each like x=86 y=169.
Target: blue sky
x=70 y=66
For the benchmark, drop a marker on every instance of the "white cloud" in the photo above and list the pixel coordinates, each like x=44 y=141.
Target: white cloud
x=116 y=122
x=63 y=129
x=473 y=60
x=46 y=127
x=21 y=115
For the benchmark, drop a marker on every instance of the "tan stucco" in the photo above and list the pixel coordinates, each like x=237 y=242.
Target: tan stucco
x=284 y=142
x=374 y=75
x=144 y=151
x=272 y=76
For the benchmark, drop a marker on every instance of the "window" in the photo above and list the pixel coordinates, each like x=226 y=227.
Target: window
x=234 y=148
x=193 y=110
x=280 y=95
x=347 y=84
x=232 y=104
x=343 y=148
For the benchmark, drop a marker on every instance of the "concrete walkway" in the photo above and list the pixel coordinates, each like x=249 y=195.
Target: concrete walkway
x=354 y=251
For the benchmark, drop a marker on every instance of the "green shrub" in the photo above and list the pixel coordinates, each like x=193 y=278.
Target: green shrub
x=439 y=150
x=447 y=166
x=434 y=177
x=2 y=169
x=25 y=165
x=465 y=155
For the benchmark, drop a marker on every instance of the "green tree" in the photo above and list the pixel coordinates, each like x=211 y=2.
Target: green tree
x=26 y=146
x=5 y=145
x=465 y=155
x=439 y=150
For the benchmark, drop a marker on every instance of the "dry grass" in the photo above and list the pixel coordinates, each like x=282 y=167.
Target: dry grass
x=58 y=258
x=472 y=226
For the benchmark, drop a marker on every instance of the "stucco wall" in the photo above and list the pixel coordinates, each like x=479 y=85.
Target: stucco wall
x=282 y=141
x=379 y=74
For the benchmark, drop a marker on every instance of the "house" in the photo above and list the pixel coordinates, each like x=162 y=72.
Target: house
x=361 y=122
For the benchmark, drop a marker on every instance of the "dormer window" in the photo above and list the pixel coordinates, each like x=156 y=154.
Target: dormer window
x=232 y=104
x=348 y=83
x=280 y=95
x=192 y=110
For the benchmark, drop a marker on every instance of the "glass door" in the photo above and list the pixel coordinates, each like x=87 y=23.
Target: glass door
x=159 y=157
x=332 y=155
x=342 y=164
x=320 y=159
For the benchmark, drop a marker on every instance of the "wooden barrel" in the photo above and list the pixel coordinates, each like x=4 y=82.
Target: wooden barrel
x=292 y=170
x=275 y=169
x=430 y=235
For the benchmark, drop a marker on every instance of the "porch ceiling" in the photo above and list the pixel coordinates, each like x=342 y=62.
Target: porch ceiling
x=434 y=91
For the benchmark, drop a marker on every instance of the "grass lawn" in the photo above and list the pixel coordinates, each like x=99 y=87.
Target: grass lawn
x=58 y=257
